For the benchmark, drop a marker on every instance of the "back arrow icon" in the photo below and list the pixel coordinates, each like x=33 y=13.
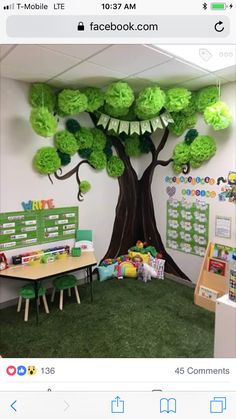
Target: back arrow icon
x=12 y=405
x=218 y=26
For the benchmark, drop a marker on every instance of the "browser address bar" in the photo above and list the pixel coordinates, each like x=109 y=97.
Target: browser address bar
x=51 y=26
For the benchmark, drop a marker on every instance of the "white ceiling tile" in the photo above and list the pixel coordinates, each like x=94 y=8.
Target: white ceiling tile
x=171 y=73
x=4 y=49
x=87 y=74
x=137 y=83
x=130 y=59
x=33 y=62
x=199 y=82
x=227 y=73
x=79 y=51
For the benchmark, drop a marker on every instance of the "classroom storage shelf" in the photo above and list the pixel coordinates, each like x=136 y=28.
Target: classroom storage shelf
x=213 y=281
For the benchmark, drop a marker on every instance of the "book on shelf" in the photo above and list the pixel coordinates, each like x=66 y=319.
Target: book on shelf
x=208 y=293
x=220 y=251
x=217 y=266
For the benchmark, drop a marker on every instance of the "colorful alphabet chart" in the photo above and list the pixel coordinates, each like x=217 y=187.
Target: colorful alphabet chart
x=28 y=228
x=187 y=226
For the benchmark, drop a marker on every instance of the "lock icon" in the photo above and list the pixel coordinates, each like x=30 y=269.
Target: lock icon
x=80 y=26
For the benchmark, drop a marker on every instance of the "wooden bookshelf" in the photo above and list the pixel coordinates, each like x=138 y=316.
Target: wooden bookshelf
x=210 y=280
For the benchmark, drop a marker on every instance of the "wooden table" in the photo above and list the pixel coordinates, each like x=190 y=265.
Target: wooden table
x=38 y=273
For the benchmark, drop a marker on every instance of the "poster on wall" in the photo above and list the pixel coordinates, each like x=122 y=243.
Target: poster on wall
x=187 y=226
x=28 y=228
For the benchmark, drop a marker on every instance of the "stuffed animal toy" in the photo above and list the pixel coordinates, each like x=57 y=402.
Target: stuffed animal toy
x=146 y=272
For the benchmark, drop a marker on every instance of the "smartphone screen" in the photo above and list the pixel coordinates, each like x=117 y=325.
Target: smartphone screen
x=117 y=209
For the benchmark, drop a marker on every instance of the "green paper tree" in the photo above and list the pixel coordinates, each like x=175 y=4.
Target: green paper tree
x=106 y=149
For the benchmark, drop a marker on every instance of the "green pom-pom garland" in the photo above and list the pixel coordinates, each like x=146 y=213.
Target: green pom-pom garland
x=119 y=95
x=98 y=160
x=84 y=138
x=99 y=139
x=132 y=148
x=192 y=106
x=85 y=153
x=72 y=125
x=190 y=136
x=46 y=160
x=72 y=102
x=218 y=116
x=181 y=123
x=181 y=154
x=95 y=98
x=66 y=142
x=202 y=149
x=42 y=95
x=115 y=167
x=65 y=158
x=205 y=97
x=43 y=122
x=117 y=112
x=149 y=102
x=85 y=186
x=177 y=99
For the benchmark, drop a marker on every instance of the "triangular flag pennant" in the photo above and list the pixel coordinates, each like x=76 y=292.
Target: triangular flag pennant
x=156 y=123
x=134 y=127
x=166 y=119
x=114 y=124
x=103 y=120
x=145 y=126
x=124 y=127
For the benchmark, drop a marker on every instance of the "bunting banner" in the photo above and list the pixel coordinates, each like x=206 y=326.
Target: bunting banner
x=134 y=127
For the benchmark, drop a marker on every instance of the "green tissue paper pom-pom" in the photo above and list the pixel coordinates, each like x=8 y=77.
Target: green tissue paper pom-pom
x=85 y=152
x=177 y=99
x=85 y=186
x=72 y=102
x=202 y=149
x=116 y=112
x=43 y=122
x=46 y=160
x=181 y=154
x=218 y=116
x=192 y=106
x=72 y=125
x=42 y=95
x=98 y=160
x=65 y=158
x=119 y=95
x=144 y=145
x=149 y=102
x=115 y=167
x=84 y=138
x=132 y=148
x=190 y=136
x=95 y=98
x=99 y=139
x=181 y=123
x=178 y=168
x=66 y=142
x=207 y=96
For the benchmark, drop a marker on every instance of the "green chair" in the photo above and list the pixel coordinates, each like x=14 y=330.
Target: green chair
x=62 y=283
x=28 y=293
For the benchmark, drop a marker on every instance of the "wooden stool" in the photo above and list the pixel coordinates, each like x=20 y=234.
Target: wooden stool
x=62 y=283
x=28 y=292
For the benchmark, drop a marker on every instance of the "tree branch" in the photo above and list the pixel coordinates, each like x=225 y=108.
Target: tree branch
x=163 y=162
x=73 y=171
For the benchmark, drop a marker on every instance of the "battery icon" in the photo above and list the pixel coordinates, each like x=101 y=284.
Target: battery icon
x=218 y=6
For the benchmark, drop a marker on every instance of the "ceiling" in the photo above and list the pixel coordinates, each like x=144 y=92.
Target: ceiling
x=190 y=66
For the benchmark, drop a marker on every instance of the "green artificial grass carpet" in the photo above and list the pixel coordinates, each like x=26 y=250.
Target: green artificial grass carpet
x=127 y=319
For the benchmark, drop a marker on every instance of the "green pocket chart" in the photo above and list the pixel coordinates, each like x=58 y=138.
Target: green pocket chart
x=187 y=226
x=28 y=228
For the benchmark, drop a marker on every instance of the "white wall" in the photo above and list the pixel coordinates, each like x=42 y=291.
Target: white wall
x=20 y=183
x=223 y=161
x=18 y=144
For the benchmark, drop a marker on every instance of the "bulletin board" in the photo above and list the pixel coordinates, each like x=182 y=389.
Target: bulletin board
x=29 y=228
x=187 y=226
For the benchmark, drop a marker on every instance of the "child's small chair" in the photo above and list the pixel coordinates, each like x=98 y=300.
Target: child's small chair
x=62 y=283
x=28 y=293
